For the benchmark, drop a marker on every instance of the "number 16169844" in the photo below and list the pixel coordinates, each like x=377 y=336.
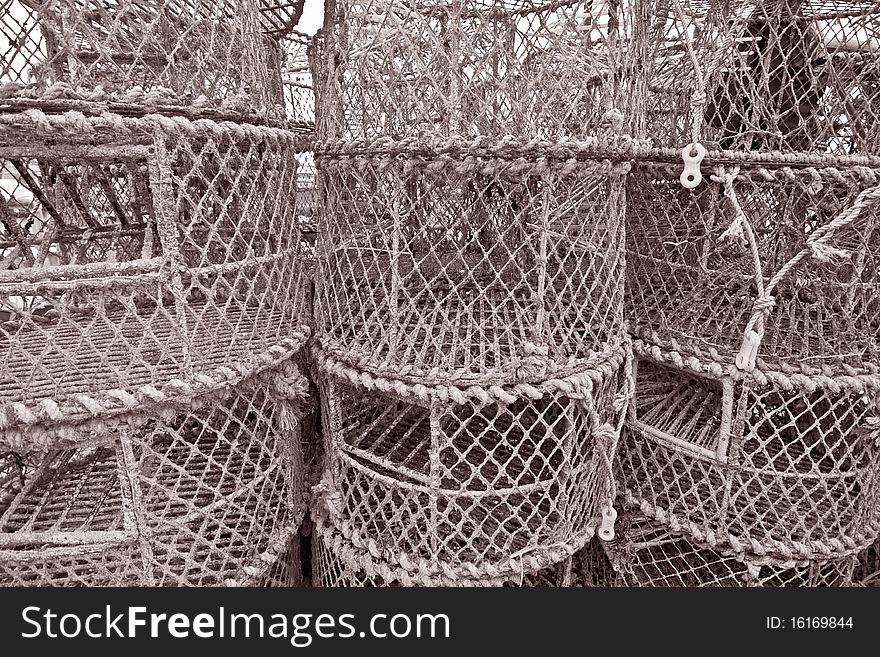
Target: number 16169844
x=809 y=623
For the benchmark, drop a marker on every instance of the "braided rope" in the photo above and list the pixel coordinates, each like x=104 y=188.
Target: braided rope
x=64 y=97
x=38 y=423
x=575 y=386
x=716 y=366
x=360 y=555
x=817 y=247
x=787 y=550
x=648 y=553
x=108 y=126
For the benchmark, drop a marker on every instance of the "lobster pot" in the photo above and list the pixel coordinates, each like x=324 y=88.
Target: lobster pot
x=203 y=490
x=868 y=567
x=775 y=76
x=649 y=554
x=465 y=267
x=217 y=57
x=468 y=67
x=155 y=256
x=787 y=466
x=336 y=563
x=799 y=265
x=466 y=480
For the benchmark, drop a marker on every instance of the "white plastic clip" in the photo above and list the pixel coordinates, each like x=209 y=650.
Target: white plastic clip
x=606 y=528
x=691 y=176
x=748 y=353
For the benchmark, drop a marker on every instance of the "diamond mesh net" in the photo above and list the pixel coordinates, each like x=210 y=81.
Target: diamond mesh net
x=200 y=491
x=528 y=68
x=767 y=75
x=798 y=265
x=183 y=56
x=484 y=270
x=868 y=568
x=763 y=463
x=649 y=554
x=299 y=89
x=473 y=483
x=169 y=255
x=448 y=250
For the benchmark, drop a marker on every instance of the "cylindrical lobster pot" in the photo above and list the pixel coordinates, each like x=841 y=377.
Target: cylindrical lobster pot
x=650 y=554
x=469 y=67
x=470 y=268
x=471 y=229
x=213 y=58
x=192 y=490
x=789 y=255
x=141 y=253
x=770 y=463
x=773 y=77
x=480 y=482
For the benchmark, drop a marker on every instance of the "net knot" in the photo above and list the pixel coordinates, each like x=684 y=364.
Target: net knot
x=613 y=119
x=533 y=364
x=765 y=303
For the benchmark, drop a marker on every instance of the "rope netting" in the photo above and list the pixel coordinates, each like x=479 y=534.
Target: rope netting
x=138 y=252
x=867 y=571
x=481 y=269
x=446 y=68
x=450 y=250
x=470 y=484
x=763 y=463
x=649 y=554
x=198 y=57
x=775 y=264
x=299 y=88
x=202 y=491
x=299 y=99
x=469 y=283
x=783 y=76
x=152 y=294
x=755 y=300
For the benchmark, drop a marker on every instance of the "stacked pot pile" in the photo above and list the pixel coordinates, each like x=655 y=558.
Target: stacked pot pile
x=469 y=293
x=150 y=305
x=751 y=453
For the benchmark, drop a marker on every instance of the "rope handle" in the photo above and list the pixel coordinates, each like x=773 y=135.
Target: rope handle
x=817 y=248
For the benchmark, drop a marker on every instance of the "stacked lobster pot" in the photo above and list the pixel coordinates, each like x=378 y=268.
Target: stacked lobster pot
x=752 y=452
x=469 y=296
x=150 y=305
